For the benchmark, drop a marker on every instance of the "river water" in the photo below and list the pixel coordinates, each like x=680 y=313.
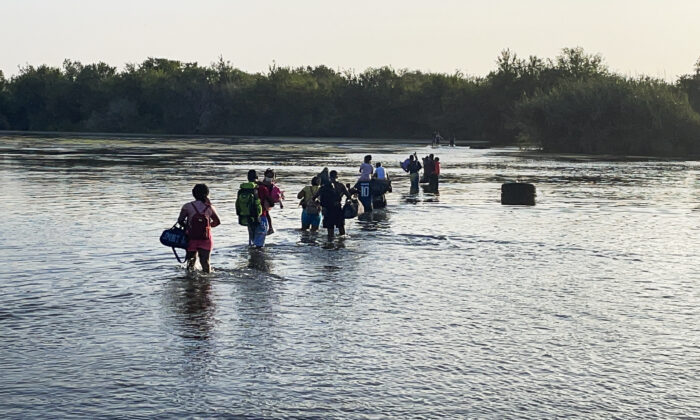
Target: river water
x=443 y=306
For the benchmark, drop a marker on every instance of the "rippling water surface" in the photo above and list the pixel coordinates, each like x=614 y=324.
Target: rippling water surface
x=585 y=305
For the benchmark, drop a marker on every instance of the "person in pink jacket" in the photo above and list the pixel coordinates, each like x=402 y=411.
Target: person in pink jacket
x=198 y=217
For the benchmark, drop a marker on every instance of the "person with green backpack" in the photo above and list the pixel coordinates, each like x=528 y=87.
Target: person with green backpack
x=250 y=211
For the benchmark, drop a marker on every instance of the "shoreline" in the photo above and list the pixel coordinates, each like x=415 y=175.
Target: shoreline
x=240 y=139
x=231 y=139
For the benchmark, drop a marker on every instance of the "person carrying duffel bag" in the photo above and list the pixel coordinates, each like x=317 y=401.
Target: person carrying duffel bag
x=199 y=217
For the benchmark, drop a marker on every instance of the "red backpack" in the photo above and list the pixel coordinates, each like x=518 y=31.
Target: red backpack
x=199 y=226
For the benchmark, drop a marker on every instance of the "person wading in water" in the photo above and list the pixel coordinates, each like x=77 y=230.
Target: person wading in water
x=198 y=217
x=331 y=195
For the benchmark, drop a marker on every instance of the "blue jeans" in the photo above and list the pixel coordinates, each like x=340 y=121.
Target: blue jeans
x=257 y=232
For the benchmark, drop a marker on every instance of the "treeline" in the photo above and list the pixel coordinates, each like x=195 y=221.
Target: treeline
x=571 y=103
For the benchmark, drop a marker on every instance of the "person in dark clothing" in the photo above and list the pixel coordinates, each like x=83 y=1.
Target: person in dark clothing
x=330 y=196
x=434 y=175
x=414 y=168
x=428 y=167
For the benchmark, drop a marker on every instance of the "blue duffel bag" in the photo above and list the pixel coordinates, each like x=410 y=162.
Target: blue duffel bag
x=175 y=237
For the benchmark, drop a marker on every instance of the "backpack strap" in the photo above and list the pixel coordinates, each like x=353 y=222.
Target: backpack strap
x=206 y=206
x=177 y=256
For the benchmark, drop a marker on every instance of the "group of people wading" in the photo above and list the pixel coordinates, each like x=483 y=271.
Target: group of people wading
x=326 y=201
x=431 y=172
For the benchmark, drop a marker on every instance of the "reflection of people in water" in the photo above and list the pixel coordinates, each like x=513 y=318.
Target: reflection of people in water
x=258 y=260
x=189 y=299
x=191 y=317
x=199 y=308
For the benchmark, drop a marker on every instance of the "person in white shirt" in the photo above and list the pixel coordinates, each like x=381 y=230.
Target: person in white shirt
x=381 y=180
x=380 y=172
x=366 y=169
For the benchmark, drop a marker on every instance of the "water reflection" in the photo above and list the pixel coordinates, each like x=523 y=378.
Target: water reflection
x=428 y=189
x=376 y=323
x=410 y=198
x=416 y=198
x=257 y=296
x=193 y=311
x=335 y=243
x=311 y=238
x=258 y=259
x=374 y=220
x=191 y=303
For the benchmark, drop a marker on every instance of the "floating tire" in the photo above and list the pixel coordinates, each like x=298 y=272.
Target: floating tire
x=518 y=193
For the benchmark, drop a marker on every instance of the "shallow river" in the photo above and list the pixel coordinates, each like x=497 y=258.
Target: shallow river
x=585 y=305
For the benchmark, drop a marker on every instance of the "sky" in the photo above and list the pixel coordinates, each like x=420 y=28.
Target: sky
x=642 y=37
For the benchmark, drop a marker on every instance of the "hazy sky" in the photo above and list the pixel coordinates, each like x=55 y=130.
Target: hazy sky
x=656 y=38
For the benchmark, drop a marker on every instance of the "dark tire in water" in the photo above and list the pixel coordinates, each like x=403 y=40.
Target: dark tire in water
x=518 y=193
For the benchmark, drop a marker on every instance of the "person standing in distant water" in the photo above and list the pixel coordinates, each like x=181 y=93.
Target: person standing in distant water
x=311 y=208
x=363 y=183
x=452 y=141
x=382 y=177
x=380 y=172
x=428 y=167
x=366 y=169
x=198 y=217
x=414 y=168
x=379 y=186
x=330 y=195
x=435 y=175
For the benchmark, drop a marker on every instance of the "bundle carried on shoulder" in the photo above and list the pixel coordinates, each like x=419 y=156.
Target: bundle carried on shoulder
x=248 y=205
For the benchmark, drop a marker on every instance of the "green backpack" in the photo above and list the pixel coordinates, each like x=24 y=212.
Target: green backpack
x=248 y=206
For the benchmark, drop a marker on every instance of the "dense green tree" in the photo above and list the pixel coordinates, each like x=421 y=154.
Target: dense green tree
x=690 y=84
x=611 y=115
x=569 y=103
x=4 y=103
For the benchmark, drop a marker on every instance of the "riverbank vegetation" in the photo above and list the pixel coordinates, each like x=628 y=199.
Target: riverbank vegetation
x=571 y=103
